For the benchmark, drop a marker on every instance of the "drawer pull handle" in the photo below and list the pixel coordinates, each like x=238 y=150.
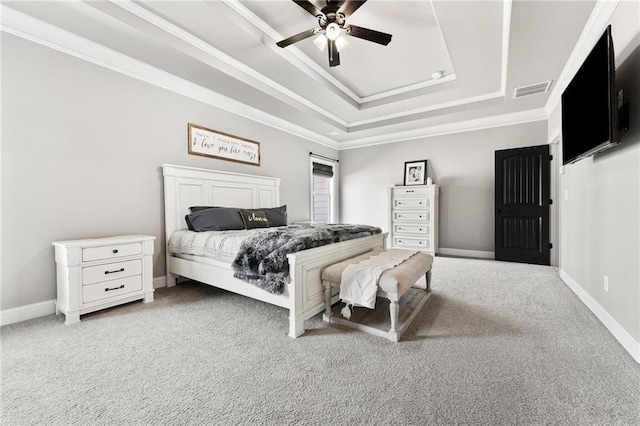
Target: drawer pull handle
x=410 y=190
x=115 y=251
x=114 y=272
x=114 y=288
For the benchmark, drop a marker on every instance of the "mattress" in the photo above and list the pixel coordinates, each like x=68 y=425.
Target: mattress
x=222 y=246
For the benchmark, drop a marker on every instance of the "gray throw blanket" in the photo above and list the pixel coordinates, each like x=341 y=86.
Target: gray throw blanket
x=262 y=259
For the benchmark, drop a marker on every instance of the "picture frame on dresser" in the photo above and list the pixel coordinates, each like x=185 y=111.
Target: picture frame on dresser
x=415 y=172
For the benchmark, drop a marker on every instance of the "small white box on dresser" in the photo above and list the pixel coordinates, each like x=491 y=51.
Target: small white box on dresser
x=94 y=274
x=413 y=217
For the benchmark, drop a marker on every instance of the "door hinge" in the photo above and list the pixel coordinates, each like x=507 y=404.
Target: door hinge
x=550 y=201
x=550 y=245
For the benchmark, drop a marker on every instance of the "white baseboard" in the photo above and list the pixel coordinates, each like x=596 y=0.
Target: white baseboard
x=42 y=309
x=27 y=312
x=159 y=282
x=467 y=253
x=627 y=341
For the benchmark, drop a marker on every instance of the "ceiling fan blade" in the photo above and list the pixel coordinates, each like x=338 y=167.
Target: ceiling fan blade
x=306 y=5
x=296 y=38
x=350 y=6
x=367 y=34
x=334 y=55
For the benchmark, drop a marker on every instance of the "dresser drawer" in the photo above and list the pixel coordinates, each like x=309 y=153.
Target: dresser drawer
x=410 y=229
x=411 y=242
x=410 y=203
x=105 y=290
x=111 y=252
x=111 y=271
x=411 y=216
x=410 y=191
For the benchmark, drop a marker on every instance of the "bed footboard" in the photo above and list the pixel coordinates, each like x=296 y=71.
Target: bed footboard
x=305 y=269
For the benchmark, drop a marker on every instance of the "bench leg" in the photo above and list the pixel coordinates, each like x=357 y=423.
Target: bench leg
x=393 y=313
x=428 y=278
x=327 y=298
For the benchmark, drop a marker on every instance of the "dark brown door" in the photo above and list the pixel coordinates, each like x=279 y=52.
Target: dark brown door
x=522 y=204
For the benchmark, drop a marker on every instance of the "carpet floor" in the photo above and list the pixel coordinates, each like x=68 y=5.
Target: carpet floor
x=496 y=344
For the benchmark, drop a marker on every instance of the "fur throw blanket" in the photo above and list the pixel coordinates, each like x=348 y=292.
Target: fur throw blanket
x=262 y=259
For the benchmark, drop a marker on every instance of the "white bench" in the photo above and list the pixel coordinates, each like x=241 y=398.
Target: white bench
x=393 y=284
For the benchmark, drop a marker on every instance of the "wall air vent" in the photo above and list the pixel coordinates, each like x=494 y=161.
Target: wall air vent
x=532 y=89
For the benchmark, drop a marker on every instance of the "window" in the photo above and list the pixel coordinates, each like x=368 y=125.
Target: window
x=322 y=190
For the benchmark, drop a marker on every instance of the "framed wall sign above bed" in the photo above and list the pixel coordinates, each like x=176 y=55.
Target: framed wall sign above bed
x=214 y=144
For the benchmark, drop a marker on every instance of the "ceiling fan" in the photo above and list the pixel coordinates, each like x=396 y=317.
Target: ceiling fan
x=332 y=22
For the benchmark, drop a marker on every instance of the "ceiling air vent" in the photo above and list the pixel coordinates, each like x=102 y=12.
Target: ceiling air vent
x=532 y=89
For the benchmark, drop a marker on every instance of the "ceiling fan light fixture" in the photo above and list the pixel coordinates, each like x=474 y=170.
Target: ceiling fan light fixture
x=332 y=31
x=341 y=43
x=320 y=42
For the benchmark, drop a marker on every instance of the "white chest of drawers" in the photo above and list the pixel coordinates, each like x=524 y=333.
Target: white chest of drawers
x=99 y=273
x=413 y=217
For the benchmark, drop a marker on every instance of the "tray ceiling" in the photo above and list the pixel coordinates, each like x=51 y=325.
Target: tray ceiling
x=377 y=94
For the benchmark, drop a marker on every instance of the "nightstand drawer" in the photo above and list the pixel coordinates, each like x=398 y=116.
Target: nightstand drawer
x=105 y=290
x=111 y=252
x=411 y=216
x=410 y=203
x=111 y=271
x=416 y=243
x=410 y=229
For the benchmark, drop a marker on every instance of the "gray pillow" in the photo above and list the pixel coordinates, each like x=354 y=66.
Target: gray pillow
x=277 y=216
x=218 y=219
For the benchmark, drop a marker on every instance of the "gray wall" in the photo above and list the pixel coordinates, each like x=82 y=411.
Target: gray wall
x=81 y=153
x=462 y=164
x=600 y=220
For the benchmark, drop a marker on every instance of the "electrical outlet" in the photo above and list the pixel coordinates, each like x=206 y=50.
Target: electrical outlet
x=606 y=284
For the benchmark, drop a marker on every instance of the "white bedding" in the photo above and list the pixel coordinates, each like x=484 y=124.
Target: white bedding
x=219 y=245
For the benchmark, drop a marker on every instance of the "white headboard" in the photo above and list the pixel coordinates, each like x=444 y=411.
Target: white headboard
x=189 y=186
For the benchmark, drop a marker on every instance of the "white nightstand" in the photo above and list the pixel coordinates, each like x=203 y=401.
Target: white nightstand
x=99 y=273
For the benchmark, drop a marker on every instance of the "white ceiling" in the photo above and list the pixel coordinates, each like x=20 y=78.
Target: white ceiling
x=223 y=52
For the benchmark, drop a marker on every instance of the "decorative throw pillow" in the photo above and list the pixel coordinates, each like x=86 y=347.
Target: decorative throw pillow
x=254 y=219
x=277 y=216
x=218 y=219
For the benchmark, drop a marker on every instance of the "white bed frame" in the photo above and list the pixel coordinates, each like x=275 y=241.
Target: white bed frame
x=303 y=296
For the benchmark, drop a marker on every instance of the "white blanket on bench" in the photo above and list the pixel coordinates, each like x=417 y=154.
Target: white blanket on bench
x=359 y=282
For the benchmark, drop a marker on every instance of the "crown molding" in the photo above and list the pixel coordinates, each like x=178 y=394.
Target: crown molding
x=597 y=22
x=37 y=31
x=451 y=128
x=235 y=68
x=435 y=107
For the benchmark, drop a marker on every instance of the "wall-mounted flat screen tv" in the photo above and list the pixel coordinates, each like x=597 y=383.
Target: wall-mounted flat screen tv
x=589 y=108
